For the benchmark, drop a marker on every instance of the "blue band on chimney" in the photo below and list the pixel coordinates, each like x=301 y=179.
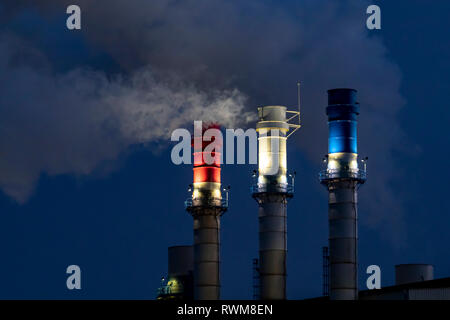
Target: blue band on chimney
x=342 y=123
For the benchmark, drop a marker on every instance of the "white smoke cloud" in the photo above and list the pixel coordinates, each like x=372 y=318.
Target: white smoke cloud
x=70 y=123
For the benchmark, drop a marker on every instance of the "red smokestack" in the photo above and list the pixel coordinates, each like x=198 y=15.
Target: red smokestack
x=206 y=206
x=204 y=172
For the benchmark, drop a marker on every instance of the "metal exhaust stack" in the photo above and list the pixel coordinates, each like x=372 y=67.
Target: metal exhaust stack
x=342 y=177
x=206 y=205
x=272 y=190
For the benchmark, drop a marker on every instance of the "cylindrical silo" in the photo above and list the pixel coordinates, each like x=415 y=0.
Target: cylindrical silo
x=272 y=192
x=342 y=177
x=206 y=206
x=414 y=272
x=178 y=285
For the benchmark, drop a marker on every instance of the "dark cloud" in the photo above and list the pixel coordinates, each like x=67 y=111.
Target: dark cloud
x=260 y=48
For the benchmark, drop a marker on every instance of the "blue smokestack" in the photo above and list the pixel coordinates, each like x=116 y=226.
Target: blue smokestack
x=342 y=177
x=342 y=123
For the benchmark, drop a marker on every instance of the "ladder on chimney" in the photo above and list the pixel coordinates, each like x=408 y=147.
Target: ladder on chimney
x=256 y=295
x=326 y=271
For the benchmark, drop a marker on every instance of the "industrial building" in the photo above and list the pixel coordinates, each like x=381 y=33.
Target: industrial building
x=194 y=271
x=412 y=282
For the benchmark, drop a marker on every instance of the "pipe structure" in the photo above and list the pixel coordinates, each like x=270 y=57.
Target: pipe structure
x=272 y=192
x=342 y=177
x=206 y=205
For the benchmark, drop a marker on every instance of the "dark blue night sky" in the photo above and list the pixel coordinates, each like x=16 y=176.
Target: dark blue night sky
x=117 y=218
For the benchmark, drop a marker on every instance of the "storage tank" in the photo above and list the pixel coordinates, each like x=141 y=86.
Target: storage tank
x=413 y=272
x=178 y=285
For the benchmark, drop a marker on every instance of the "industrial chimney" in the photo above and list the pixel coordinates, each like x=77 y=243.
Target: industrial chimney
x=342 y=176
x=206 y=205
x=272 y=190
